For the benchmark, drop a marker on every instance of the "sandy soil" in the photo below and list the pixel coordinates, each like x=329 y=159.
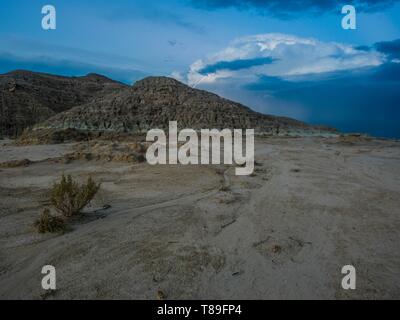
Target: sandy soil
x=312 y=206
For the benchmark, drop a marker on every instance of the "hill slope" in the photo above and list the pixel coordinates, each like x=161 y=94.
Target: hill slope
x=154 y=101
x=28 y=97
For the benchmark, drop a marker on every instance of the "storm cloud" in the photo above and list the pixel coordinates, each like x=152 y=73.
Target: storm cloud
x=290 y=8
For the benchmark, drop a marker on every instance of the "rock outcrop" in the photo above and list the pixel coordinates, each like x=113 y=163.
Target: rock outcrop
x=94 y=103
x=27 y=98
x=154 y=101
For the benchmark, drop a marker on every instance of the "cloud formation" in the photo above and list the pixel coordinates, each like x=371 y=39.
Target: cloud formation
x=390 y=48
x=290 y=8
x=354 y=89
x=154 y=15
x=280 y=55
x=235 y=65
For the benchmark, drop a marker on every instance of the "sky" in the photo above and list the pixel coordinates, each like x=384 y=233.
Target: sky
x=288 y=58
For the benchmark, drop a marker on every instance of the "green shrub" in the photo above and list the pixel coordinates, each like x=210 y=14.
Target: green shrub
x=70 y=197
x=48 y=223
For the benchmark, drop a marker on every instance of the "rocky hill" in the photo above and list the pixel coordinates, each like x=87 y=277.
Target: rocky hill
x=27 y=98
x=154 y=101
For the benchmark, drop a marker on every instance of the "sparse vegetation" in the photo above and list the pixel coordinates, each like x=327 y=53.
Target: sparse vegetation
x=15 y=163
x=161 y=295
x=224 y=188
x=48 y=223
x=70 y=197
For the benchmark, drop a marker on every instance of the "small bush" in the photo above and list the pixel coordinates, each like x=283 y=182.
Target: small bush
x=69 y=197
x=48 y=223
x=224 y=188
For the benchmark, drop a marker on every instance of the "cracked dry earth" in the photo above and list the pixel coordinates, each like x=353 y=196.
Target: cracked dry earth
x=312 y=206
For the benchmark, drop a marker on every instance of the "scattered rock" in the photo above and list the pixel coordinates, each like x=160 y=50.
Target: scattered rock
x=127 y=151
x=161 y=295
x=16 y=163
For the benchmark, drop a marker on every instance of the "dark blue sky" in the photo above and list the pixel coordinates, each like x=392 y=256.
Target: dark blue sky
x=282 y=57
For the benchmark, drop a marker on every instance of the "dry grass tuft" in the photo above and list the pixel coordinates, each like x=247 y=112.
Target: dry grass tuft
x=47 y=223
x=70 y=197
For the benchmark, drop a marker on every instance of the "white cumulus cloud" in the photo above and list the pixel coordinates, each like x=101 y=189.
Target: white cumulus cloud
x=279 y=55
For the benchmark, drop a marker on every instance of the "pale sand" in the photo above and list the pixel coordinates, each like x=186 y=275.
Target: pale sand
x=313 y=206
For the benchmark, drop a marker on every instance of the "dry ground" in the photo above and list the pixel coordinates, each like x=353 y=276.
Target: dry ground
x=312 y=206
